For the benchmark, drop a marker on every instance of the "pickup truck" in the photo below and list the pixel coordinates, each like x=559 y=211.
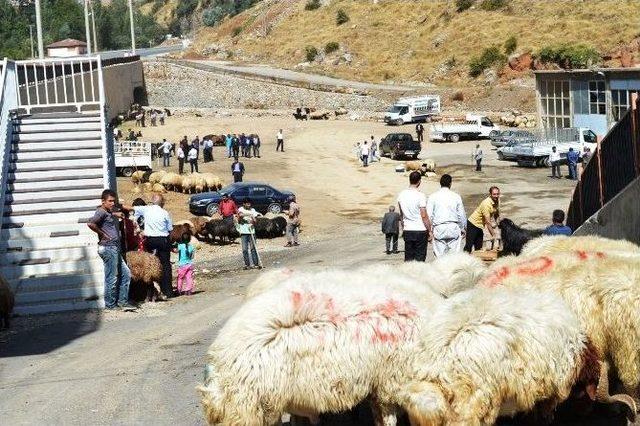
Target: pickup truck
x=399 y=145
x=535 y=152
x=132 y=156
x=474 y=127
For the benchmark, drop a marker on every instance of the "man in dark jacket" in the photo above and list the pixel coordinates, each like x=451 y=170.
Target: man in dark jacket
x=237 y=170
x=391 y=229
x=420 y=132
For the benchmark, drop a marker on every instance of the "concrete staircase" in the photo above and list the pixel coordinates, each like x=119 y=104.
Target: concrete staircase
x=54 y=180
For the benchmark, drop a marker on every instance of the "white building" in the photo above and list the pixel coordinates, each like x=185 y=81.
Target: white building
x=67 y=48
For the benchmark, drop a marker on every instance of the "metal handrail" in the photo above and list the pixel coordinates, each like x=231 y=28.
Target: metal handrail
x=8 y=103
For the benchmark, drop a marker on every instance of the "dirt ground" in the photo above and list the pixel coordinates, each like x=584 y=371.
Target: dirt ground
x=95 y=367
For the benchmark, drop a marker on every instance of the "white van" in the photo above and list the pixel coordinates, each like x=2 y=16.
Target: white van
x=409 y=110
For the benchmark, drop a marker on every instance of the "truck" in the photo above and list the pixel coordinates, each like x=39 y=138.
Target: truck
x=409 y=110
x=535 y=151
x=399 y=145
x=131 y=156
x=474 y=127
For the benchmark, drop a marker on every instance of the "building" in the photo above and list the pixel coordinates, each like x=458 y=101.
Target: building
x=67 y=48
x=593 y=98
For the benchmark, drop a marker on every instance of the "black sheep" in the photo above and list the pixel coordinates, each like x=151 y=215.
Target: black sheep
x=514 y=237
x=264 y=228
x=280 y=225
x=225 y=230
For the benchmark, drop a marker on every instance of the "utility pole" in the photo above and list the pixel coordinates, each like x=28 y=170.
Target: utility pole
x=31 y=38
x=93 y=22
x=133 y=33
x=87 y=29
x=39 y=30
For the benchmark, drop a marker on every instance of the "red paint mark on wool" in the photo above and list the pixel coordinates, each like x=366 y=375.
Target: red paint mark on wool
x=496 y=277
x=600 y=255
x=535 y=266
x=296 y=298
x=582 y=255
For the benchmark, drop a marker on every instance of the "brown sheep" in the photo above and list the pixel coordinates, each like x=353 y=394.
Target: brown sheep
x=146 y=274
x=178 y=229
x=199 y=223
x=7 y=300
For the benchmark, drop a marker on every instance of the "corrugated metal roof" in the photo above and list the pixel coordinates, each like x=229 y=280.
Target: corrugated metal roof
x=587 y=70
x=68 y=42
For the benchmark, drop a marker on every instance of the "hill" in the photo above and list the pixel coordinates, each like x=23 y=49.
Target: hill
x=420 y=40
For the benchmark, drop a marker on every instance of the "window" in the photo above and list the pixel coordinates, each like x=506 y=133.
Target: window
x=589 y=136
x=580 y=97
x=258 y=191
x=486 y=122
x=555 y=103
x=241 y=192
x=620 y=102
x=597 y=104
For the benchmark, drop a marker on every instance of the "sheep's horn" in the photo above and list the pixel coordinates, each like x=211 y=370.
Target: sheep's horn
x=602 y=393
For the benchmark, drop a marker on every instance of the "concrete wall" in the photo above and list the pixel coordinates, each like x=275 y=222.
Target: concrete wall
x=120 y=82
x=619 y=218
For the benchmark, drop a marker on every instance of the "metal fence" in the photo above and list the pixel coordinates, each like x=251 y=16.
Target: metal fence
x=615 y=164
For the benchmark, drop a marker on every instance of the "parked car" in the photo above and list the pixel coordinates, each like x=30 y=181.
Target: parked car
x=264 y=198
x=500 y=139
x=508 y=151
x=474 y=127
x=409 y=110
x=399 y=145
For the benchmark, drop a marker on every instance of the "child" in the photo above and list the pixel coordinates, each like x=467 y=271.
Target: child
x=185 y=265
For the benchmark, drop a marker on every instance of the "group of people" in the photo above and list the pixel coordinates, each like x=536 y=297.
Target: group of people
x=441 y=219
x=573 y=158
x=242 y=145
x=367 y=152
x=155 y=116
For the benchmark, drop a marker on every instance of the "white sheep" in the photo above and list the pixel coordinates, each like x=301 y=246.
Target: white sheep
x=555 y=244
x=171 y=180
x=155 y=177
x=603 y=289
x=487 y=353
x=306 y=349
x=267 y=281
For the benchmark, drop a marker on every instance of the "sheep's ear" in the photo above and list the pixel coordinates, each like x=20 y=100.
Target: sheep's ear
x=591 y=390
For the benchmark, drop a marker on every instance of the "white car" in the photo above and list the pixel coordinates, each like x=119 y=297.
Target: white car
x=474 y=127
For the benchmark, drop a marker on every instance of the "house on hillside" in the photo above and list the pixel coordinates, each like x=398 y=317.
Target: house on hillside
x=595 y=98
x=67 y=48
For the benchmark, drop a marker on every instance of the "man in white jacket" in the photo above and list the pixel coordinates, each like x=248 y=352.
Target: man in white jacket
x=448 y=219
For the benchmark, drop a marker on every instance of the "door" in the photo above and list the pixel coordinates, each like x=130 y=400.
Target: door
x=239 y=195
x=259 y=198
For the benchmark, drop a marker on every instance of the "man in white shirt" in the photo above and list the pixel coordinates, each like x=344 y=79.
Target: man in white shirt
x=246 y=220
x=280 y=141
x=477 y=156
x=414 y=219
x=192 y=156
x=554 y=159
x=165 y=148
x=364 y=154
x=448 y=219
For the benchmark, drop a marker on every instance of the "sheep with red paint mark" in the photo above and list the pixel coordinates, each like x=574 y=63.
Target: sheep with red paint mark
x=499 y=352
x=318 y=343
x=602 y=289
x=558 y=244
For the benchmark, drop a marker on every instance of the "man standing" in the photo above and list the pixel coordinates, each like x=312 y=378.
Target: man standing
x=586 y=156
x=293 y=223
x=227 y=208
x=116 y=272
x=420 y=132
x=207 y=150
x=391 y=229
x=558 y=227
x=414 y=219
x=256 y=145
x=181 y=153
x=572 y=162
x=246 y=221
x=374 y=149
x=157 y=227
x=364 y=154
x=489 y=208
x=227 y=143
x=192 y=156
x=477 y=156
x=235 y=146
x=554 y=159
x=280 y=141
x=237 y=170
x=448 y=219
x=165 y=148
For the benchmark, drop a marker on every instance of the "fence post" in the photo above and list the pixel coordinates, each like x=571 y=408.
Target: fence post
x=600 y=171
x=635 y=137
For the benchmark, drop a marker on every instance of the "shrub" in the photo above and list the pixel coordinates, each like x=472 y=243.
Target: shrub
x=462 y=5
x=510 y=45
x=312 y=5
x=569 y=56
x=490 y=56
x=494 y=4
x=311 y=52
x=341 y=17
x=331 y=47
x=236 y=31
x=458 y=96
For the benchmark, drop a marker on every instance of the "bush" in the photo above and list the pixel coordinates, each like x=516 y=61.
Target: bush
x=494 y=4
x=213 y=15
x=311 y=52
x=462 y=5
x=312 y=5
x=341 y=17
x=331 y=47
x=490 y=56
x=569 y=56
x=458 y=96
x=510 y=45
x=236 y=31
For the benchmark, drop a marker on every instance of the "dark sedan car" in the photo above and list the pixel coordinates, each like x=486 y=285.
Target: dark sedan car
x=264 y=198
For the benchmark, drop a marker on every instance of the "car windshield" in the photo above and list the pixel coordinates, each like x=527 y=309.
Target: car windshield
x=589 y=136
x=398 y=109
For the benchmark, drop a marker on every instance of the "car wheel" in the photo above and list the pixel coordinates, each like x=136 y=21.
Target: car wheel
x=127 y=171
x=212 y=209
x=415 y=156
x=500 y=156
x=275 y=208
x=454 y=137
x=399 y=121
x=545 y=162
x=493 y=134
x=428 y=119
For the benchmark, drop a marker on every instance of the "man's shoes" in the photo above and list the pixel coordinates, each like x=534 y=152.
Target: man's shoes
x=288 y=245
x=388 y=252
x=396 y=252
x=127 y=307
x=245 y=268
x=296 y=244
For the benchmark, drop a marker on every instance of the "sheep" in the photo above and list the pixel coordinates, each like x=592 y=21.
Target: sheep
x=7 y=301
x=146 y=274
x=426 y=166
x=347 y=340
x=188 y=182
x=556 y=244
x=171 y=181
x=269 y=228
x=225 y=230
x=147 y=186
x=602 y=289
x=213 y=182
x=175 y=236
x=514 y=237
x=267 y=281
x=280 y=224
x=486 y=353
x=155 y=177
x=140 y=176
x=199 y=226
x=159 y=188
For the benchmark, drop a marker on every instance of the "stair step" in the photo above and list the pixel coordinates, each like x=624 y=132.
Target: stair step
x=57 y=117
x=53 y=255
x=51 y=197
x=63 y=164
x=59 y=218
x=59 y=306
x=55 y=175
x=71 y=126
x=47 y=230
x=53 y=187
x=27 y=244
x=55 y=145
x=57 y=282
x=48 y=155
x=58 y=135
x=52 y=207
x=60 y=268
x=94 y=293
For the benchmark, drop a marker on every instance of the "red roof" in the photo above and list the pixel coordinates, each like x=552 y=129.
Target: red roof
x=69 y=42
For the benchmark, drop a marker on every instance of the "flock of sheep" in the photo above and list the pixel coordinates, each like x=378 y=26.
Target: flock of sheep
x=452 y=342
x=163 y=181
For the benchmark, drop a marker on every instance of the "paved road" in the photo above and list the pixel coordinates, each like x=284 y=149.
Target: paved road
x=150 y=52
